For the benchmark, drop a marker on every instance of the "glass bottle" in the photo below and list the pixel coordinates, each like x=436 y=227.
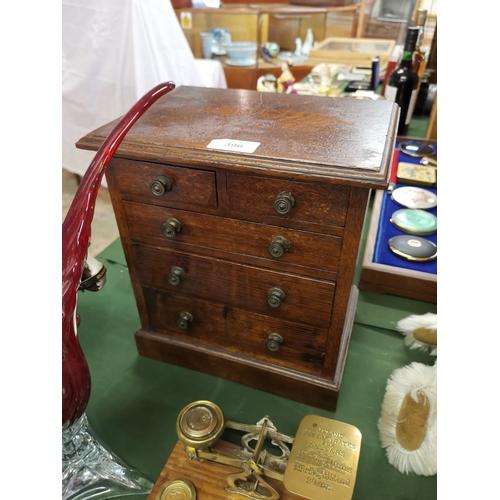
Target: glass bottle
x=403 y=82
x=419 y=61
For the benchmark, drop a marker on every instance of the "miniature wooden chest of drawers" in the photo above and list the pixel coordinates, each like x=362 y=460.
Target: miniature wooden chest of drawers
x=242 y=263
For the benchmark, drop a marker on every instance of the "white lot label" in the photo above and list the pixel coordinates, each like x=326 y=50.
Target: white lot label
x=234 y=145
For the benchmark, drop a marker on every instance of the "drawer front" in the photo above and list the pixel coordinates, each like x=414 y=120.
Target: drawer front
x=230 y=235
x=283 y=296
x=174 y=186
x=231 y=329
x=259 y=197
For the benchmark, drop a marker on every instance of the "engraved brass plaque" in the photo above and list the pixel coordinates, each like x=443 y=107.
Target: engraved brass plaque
x=324 y=458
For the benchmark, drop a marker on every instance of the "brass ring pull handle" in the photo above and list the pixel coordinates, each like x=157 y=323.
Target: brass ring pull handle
x=274 y=341
x=177 y=274
x=275 y=297
x=160 y=185
x=284 y=203
x=278 y=247
x=171 y=227
x=184 y=319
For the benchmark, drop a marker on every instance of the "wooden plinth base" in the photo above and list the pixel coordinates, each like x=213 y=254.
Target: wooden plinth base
x=321 y=392
x=208 y=477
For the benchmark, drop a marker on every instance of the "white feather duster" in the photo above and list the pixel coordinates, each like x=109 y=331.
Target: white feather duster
x=408 y=326
x=412 y=379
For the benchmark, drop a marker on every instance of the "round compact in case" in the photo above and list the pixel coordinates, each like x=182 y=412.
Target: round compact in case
x=413 y=248
x=414 y=221
x=416 y=149
x=414 y=197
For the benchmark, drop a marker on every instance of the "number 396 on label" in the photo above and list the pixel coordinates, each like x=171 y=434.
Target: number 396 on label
x=234 y=145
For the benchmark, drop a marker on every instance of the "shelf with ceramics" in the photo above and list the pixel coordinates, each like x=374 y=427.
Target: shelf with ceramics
x=239 y=35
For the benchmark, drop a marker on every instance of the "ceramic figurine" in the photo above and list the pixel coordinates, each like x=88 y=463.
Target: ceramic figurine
x=266 y=83
x=308 y=42
x=298 y=46
x=288 y=88
x=221 y=38
x=286 y=79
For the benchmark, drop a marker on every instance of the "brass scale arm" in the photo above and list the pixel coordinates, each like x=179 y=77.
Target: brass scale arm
x=270 y=465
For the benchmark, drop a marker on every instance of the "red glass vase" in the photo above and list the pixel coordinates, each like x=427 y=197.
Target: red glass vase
x=90 y=471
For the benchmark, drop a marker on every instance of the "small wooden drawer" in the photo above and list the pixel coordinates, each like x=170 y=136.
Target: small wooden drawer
x=314 y=250
x=222 y=326
x=174 y=186
x=283 y=296
x=261 y=199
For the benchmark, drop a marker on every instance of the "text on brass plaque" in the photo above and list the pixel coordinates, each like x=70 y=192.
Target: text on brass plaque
x=323 y=460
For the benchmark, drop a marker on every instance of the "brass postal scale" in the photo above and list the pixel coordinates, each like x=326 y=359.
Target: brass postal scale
x=319 y=463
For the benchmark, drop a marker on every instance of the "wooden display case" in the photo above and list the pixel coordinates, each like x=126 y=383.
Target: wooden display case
x=391 y=280
x=280 y=23
x=352 y=51
x=380 y=278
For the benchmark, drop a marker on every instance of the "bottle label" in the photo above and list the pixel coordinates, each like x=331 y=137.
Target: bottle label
x=390 y=93
x=411 y=106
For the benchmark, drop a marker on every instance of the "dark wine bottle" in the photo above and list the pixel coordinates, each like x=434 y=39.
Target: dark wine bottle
x=402 y=83
x=419 y=60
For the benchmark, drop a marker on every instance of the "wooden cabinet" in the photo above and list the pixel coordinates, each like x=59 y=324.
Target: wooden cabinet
x=242 y=263
x=276 y=22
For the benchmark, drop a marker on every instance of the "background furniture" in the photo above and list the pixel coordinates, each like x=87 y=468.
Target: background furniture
x=261 y=22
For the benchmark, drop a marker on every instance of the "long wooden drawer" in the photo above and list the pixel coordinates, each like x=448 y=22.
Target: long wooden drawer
x=218 y=325
x=283 y=296
x=188 y=186
x=255 y=198
x=240 y=237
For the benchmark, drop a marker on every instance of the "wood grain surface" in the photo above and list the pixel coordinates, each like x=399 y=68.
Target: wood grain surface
x=209 y=478
x=341 y=141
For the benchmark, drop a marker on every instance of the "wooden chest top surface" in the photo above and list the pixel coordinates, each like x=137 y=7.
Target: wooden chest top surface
x=348 y=139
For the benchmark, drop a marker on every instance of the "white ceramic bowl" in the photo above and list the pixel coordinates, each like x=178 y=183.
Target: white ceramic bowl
x=241 y=51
